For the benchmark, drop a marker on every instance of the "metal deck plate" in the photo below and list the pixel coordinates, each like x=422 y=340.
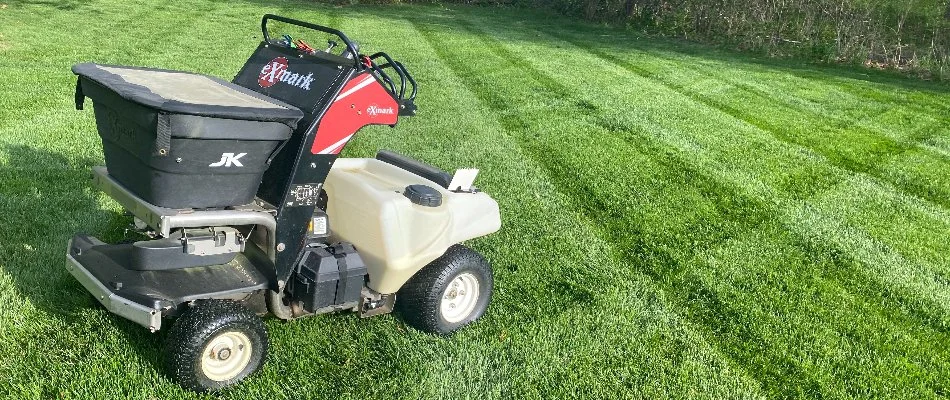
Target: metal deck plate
x=103 y=270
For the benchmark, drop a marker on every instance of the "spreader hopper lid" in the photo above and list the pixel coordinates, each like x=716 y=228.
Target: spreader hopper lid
x=187 y=93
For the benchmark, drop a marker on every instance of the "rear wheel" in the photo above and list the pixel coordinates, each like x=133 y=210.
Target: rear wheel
x=215 y=344
x=448 y=293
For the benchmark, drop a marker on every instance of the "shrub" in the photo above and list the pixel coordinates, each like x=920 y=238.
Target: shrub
x=912 y=36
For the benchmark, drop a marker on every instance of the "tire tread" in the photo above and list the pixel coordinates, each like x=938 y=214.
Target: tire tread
x=195 y=327
x=419 y=299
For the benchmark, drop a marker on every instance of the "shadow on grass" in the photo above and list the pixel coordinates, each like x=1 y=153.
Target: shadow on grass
x=45 y=198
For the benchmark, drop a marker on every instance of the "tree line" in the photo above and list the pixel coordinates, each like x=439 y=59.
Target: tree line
x=912 y=36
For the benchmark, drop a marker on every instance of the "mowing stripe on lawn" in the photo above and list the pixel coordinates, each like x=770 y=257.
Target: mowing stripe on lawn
x=538 y=256
x=509 y=57
x=938 y=264
x=912 y=94
x=658 y=260
x=914 y=168
x=935 y=258
x=934 y=189
x=572 y=288
x=917 y=165
x=867 y=161
x=934 y=255
x=901 y=122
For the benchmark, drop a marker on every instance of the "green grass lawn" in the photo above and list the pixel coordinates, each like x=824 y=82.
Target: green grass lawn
x=679 y=222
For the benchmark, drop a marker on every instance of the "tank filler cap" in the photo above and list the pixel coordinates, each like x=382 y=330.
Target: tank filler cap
x=423 y=195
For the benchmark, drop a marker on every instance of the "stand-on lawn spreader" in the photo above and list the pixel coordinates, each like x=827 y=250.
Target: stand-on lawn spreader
x=246 y=210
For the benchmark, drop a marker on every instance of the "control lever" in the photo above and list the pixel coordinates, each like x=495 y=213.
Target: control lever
x=350 y=55
x=331 y=44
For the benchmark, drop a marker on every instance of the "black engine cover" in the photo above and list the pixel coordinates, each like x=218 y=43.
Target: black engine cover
x=328 y=276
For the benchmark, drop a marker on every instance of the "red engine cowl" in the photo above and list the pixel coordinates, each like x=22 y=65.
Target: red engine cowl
x=362 y=101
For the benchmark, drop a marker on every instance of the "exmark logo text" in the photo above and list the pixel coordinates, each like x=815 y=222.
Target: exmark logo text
x=375 y=110
x=277 y=70
x=229 y=159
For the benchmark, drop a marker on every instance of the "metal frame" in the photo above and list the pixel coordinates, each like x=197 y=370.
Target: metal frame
x=163 y=220
x=125 y=308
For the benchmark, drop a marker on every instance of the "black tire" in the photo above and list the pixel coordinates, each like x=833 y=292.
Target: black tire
x=419 y=301
x=206 y=321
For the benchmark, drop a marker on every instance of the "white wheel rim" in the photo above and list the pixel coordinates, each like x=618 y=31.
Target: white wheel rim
x=225 y=356
x=459 y=298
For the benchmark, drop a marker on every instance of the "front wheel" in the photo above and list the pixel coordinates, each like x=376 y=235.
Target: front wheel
x=448 y=293
x=215 y=344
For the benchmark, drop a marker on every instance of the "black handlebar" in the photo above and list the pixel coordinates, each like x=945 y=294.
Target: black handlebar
x=404 y=75
x=391 y=63
x=350 y=46
x=412 y=95
x=358 y=60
